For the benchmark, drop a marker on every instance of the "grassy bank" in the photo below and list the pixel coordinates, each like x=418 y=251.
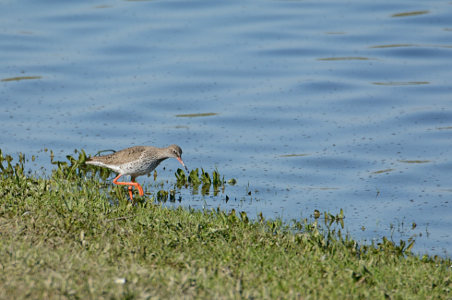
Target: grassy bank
x=62 y=238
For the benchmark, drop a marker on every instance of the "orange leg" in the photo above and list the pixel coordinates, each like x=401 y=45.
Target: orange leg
x=131 y=184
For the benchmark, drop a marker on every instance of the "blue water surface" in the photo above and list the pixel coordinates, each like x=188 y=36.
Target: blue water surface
x=323 y=105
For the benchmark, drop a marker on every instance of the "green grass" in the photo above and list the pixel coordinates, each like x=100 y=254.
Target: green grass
x=62 y=238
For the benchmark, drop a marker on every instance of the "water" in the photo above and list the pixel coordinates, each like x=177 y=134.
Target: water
x=316 y=104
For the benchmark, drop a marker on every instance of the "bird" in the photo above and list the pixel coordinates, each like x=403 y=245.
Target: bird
x=136 y=161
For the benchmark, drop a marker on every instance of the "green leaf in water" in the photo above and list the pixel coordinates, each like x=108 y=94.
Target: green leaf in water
x=196 y=115
x=21 y=78
x=343 y=58
x=162 y=195
x=414 y=161
x=193 y=178
x=232 y=181
x=293 y=155
x=205 y=177
x=393 y=46
x=400 y=83
x=383 y=171
x=411 y=13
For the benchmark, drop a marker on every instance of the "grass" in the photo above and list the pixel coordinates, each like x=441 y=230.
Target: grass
x=71 y=235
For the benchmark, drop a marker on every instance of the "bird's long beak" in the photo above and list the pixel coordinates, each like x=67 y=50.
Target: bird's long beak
x=182 y=163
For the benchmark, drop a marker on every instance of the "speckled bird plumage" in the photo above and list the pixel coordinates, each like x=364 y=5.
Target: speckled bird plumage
x=136 y=161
